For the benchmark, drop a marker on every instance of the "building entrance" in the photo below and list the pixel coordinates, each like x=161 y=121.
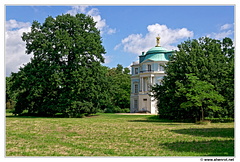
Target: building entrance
x=144 y=104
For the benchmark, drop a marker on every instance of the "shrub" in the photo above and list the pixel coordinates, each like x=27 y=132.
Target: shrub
x=203 y=122
x=126 y=110
x=220 y=120
x=116 y=110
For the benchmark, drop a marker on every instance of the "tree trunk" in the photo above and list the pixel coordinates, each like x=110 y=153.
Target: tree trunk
x=202 y=114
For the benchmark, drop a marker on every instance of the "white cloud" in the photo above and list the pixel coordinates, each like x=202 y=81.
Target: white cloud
x=94 y=12
x=107 y=58
x=111 y=31
x=13 y=24
x=77 y=9
x=225 y=31
x=136 y=43
x=15 y=48
x=226 y=26
x=220 y=35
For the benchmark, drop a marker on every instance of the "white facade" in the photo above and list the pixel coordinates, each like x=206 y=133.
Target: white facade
x=146 y=73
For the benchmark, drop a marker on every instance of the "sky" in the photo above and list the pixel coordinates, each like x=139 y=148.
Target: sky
x=126 y=30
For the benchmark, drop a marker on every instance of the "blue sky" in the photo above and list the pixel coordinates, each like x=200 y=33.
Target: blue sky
x=126 y=30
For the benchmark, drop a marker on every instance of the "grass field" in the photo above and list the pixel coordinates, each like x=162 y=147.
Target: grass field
x=116 y=135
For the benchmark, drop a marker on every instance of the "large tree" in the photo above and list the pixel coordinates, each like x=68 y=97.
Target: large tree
x=211 y=61
x=65 y=72
x=200 y=95
x=115 y=90
x=119 y=89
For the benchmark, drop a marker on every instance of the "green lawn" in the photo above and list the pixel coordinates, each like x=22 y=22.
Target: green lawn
x=116 y=135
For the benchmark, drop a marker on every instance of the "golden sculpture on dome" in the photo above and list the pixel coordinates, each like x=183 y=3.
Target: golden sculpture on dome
x=158 y=41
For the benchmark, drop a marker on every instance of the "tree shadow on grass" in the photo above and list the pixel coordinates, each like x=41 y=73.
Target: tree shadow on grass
x=202 y=148
x=207 y=132
x=156 y=121
x=207 y=147
x=50 y=116
x=150 y=119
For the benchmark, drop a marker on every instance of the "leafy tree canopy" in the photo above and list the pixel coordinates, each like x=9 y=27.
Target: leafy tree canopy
x=210 y=60
x=65 y=73
x=200 y=96
x=118 y=89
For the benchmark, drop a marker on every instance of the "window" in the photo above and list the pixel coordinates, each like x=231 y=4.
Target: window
x=161 y=68
x=135 y=88
x=136 y=70
x=135 y=104
x=149 y=67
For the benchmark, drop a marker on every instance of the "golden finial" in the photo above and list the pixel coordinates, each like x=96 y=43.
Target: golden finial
x=158 y=41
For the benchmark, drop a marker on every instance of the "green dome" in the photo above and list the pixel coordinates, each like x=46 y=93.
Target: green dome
x=157 y=50
x=157 y=57
x=156 y=54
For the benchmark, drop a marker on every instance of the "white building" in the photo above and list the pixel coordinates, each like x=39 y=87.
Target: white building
x=145 y=73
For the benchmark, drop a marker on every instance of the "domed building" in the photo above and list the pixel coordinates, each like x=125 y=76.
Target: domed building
x=145 y=73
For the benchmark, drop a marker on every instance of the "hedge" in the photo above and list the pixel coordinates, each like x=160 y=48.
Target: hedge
x=220 y=120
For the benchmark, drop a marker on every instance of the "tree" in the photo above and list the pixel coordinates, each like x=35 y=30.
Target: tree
x=119 y=89
x=210 y=60
x=200 y=95
x=10 y=96
x=65 y=73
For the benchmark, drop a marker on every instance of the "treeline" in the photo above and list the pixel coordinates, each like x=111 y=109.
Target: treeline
x=199 y=81
x=65 y=75
x=113 y=97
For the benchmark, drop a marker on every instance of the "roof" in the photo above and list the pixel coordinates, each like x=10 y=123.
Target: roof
x=156 y=54
x=157 y=50
x=157 y=57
